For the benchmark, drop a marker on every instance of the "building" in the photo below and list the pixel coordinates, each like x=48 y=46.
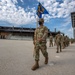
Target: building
x=73 y=22
x=9 y=32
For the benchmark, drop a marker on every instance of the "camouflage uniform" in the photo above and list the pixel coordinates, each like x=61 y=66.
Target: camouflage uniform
x=40 y=36
x=51 y=41
x=63 y=42
x=67 y=40
x=58 y=41
x=40 y=32
x=72 y=40
x=54 y=41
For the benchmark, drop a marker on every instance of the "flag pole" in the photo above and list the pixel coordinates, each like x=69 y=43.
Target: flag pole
x=37 y=19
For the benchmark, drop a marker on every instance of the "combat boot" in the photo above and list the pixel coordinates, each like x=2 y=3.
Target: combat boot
x=36 y=66
x=60 y=50
x=57 y=51
x=46 y=60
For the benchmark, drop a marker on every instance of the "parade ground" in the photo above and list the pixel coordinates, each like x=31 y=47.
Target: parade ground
x=16 y=58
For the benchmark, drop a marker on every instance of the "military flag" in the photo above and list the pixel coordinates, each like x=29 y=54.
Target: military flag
x=41 y=10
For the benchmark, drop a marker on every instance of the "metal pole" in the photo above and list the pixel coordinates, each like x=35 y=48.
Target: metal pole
x=37 y=19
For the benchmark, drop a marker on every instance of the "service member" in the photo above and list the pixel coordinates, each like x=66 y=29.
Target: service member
x=40 y=36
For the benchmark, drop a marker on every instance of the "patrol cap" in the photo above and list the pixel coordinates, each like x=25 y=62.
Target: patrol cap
x=41 y=20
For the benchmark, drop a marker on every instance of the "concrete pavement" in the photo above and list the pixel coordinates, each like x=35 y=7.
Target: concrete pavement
x=16 y=58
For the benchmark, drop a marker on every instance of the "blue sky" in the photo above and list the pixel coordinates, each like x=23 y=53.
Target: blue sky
x=22 y=13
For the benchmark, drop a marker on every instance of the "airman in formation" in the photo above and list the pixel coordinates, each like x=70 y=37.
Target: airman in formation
x=40 y=37
x=51 y=40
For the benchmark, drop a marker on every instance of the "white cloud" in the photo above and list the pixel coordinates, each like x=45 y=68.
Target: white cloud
x=62 y=10
x=21 y=0
x=10 y=13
